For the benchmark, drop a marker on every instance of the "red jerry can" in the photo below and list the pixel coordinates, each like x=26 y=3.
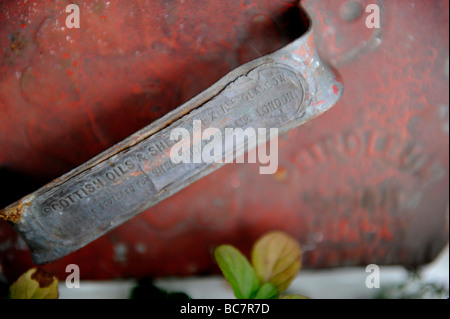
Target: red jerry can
x=366 y=182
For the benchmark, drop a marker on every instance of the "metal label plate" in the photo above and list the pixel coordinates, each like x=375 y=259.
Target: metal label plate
x=271 y=95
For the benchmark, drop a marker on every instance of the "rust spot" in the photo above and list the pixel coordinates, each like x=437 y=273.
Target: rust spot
x=19 y=43
x=281 y=174
x=12 y=215
x=43 y=278
x=14 y=212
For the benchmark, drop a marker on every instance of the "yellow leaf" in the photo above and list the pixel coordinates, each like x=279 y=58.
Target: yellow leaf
x=276 y=258
x=35 y=284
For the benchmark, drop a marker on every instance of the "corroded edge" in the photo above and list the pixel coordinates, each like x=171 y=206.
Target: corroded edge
x=14 y=212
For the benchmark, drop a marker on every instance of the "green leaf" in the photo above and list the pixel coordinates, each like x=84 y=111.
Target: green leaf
x=294 y=297
x=267 y=291
x=35 y=284
x=276 y=258
x=238 y=271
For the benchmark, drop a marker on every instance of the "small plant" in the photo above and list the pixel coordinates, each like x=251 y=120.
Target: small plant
x=275 y=261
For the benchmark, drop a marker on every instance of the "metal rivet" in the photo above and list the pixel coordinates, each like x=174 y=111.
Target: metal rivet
x=351 y=11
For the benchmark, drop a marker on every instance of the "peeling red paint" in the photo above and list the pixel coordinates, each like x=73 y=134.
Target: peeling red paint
x=335 y=89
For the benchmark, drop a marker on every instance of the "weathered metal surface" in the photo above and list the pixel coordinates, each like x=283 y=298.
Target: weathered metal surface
x=366 y=182
x=138 y=172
